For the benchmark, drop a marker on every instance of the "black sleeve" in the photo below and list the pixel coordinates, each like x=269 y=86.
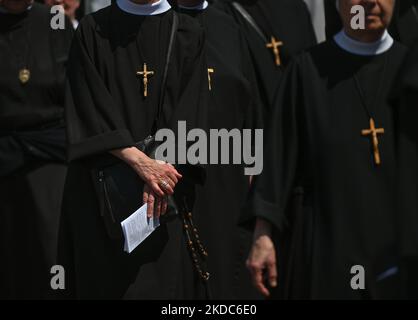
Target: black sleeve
x=12 y=156
x=333 y=23
x=254 y=118
x=270 y=193
x=187 y=84
x=406 y=106
x=94 y=121
x=404 y=96
x=309 y=32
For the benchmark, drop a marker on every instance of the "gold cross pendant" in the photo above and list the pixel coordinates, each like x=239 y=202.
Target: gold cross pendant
x=210 y=71
x=145 y=73
x=274 y=44
x=24 y=76
x=373 y=133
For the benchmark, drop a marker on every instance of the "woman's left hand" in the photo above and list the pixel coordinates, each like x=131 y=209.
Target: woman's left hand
x=157 y=205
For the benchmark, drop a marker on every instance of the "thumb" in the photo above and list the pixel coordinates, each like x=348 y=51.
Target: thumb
x=272 y=273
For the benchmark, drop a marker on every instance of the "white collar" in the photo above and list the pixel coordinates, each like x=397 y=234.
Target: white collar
x=200 y=7
x=75 y=24
x=364 y=48
x=155 y=8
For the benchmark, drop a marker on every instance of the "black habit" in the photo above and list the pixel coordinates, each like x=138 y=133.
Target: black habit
x=288 y=21
x=405 y=22
x=32 y=149
x=349 y=210
x=406 y=101
x=234 y=104
x=107 y=110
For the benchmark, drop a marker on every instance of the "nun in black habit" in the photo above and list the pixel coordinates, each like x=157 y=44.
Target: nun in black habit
x=275 y=30
x=406 y=102
x=334 y=133
x=116 y=69
x=32 y=146
x=235 y=103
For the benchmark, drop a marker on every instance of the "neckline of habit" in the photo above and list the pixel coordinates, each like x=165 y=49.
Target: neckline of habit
x=362 y=48
x=4 y=11
x=155 y=8
x=200 y=7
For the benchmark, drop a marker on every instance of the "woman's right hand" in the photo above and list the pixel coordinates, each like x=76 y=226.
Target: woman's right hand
x=160 y=178
x=262 y=259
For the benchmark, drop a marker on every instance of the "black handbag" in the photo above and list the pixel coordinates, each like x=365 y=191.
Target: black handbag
x=118 y=187
x=119 y=190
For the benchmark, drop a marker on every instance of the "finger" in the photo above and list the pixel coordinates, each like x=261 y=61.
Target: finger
x=164 y=206
x=169 y=164
x=257 y=277
x=272 y=274
x=151 y=202
x=174 y=180
x=157 y=207
x=175 y=172
x=168 y=190
x=258 y=283
x=169 y=168
x=170 y=181
x=248 y=265
x=145 y=196
x=157 y=190
x=160 y=206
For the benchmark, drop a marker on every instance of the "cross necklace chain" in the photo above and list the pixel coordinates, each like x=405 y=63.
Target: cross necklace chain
x=373 y=131
x=273 y=44
x=146 y=73
x=22 y=56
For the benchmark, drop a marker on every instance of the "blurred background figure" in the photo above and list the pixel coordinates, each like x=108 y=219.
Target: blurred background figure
x=317 y=10
x=95 y=5
x=234 y=103
x=403 y=28
x=406 y=102
x=342 y=85
x=32 y=146
x=70 y=7
x=276 y=31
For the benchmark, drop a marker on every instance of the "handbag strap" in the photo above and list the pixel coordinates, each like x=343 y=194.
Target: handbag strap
x=174 y=27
